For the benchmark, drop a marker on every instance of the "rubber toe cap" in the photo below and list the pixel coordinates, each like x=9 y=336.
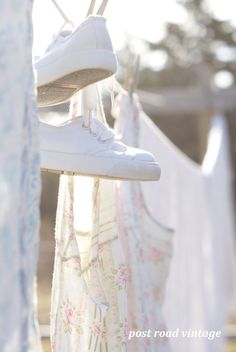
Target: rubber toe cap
x=142 y=155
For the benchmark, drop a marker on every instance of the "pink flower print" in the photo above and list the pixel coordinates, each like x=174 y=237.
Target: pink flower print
x=122 y=332
x=156 y=254
x=125 y=332
x=77 y=263
x=119 y=277
x=59 y=242
x=69 y=213
x=59 y=246
x=141 y=253
x=97 y=330
x=100 y=248
x=123 y=275
x=70 y=316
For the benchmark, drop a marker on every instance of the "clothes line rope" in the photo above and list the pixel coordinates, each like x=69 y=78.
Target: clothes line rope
x=100 y=10
x=61 y=12
x=180 y=101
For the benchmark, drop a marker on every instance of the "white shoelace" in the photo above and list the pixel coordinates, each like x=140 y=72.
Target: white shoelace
x=97 y=128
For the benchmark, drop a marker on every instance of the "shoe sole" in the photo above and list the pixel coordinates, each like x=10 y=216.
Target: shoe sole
x=61 y=90
x=118 y=178
x=139 y=171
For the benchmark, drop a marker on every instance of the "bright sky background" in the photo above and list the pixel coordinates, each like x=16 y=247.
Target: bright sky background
x=142 y=18
x=139 y=18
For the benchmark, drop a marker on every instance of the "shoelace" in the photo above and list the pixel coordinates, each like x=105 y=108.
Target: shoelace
x=97 y=128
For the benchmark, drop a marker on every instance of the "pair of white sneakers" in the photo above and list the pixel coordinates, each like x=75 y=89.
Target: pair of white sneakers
x=84 y=146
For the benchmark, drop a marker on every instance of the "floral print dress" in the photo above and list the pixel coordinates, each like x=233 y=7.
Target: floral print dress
x=111 y=264
x=89 y=292
x=19 y=179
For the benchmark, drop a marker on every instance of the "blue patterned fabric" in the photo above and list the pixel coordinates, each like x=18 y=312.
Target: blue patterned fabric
x=19 y=175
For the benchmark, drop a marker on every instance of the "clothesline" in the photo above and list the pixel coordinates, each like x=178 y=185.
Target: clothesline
x=182 y=100
x=100 y=10
x=62 y=12
x=120 y=248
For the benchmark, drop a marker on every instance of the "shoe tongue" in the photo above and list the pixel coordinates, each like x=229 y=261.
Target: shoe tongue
x=57 y=39
x=103 y=129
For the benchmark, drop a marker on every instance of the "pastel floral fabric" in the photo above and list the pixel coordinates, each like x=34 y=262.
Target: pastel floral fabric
x=148 y=249
x=89 y=309
x=19 y=179
x=112 y=260
x=148 y=244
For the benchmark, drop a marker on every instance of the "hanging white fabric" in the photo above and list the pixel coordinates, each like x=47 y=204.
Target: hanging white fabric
x=196 y=202
x=89 y=286
x=147 y=244
x=114 y=242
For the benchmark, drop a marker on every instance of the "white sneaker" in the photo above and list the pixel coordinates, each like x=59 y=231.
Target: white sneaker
x=75 y=61
x=90 y=148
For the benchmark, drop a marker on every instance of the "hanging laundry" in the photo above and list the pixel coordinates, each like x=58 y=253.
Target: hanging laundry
x=115 y=269
x=138 y=277
x=196 y=202
x=89 y=298
x=147 y=245
x=90 y=231
x=19 y=180
x=90 y=275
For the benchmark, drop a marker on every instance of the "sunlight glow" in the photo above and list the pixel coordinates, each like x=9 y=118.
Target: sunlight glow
x=156 y=59
x=143 y=19
x=223 y=9
x=223 y=79
x=83 y=203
